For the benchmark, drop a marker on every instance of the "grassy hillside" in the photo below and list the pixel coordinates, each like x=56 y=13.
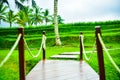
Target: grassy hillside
x=69 y=34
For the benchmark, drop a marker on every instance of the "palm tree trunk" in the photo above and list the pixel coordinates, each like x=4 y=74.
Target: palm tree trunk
x=57 y=38
x=10 y=24
x=46 y=21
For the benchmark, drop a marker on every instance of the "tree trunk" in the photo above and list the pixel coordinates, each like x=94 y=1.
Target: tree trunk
x=10 y=24
x=46 y=21
x=57 y=38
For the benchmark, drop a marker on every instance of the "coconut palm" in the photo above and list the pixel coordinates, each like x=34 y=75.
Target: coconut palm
x=18 y=3
x=60 y=20
x=28 y=14
x=2 y=12
x=46 y=16
x=10 y=17
x=4 y=1
x=58 y=41
x=37 y=17
x=21 y=18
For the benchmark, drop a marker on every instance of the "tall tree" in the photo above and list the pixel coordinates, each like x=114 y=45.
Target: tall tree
x=21 y=18
x=18 y=3
x=37 y=17
x=60 y=20
x=57 y=37
x=10 y=17
x=46 y=16
x=20 y=6
x=28 y=14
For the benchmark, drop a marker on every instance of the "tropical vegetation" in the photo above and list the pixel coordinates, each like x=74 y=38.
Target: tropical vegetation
x=26 y=16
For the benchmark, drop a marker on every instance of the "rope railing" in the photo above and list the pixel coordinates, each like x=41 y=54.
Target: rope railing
x=20 y=42
x=108 y=54
x=84 y=52
x=11 y=51
x=43 y=44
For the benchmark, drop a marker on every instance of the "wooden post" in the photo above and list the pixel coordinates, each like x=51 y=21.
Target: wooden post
x=21 y=55
x=100 y=54
x=43 y=46
x=81 y=47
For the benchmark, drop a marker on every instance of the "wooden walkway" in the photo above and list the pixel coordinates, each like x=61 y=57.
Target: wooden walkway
x=62 y=70
x=66 y=55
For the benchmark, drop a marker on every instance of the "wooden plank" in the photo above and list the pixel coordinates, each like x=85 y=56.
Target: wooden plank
x=70 y=53
x=75 y=53
x=64 y=57
x=62 y=70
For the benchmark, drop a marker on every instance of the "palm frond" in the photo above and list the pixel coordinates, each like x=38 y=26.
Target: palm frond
x=4 y=1
x=22 y=1
x=19 y=5
x=33 y=3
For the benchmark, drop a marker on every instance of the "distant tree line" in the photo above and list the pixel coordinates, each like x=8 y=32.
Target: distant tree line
x=26 y=16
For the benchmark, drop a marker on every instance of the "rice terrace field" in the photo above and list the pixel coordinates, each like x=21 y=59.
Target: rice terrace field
x=69 y=34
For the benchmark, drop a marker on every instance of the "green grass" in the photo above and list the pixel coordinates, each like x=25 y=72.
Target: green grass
x=10 y=70
x=110 y=71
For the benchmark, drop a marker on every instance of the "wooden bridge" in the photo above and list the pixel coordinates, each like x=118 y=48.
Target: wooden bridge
x=67 y=69
x=62 y=69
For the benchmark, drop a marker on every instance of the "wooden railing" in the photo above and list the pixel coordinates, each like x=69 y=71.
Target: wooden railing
x=20 y=42
x=21 y=54
x=81 y=47
x=99 y=53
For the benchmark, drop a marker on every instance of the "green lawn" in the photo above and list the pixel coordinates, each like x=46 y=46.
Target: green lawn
x=110 y=71
x=10 y=70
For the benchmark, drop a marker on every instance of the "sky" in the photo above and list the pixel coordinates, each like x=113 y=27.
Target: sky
x=82 y=10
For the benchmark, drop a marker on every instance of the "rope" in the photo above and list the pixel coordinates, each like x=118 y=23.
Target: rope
x=108 y=54
x=42 y=45
x=11 y=51
x=84 y=52
x=113 y=49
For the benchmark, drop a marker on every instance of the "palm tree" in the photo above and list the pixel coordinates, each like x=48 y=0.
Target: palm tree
x=21 y=18
x=28 y=14
x=18 y=3
x=4 y=1
x=60 y=20
x=2 y=12
x=58 y=41
x=20 y=6
x=37 y=17
x=46 y=16
x=10 y=17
